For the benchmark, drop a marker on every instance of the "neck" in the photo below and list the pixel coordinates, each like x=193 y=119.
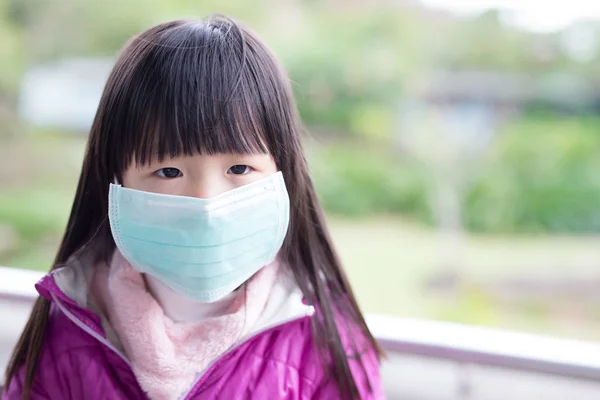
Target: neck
x=180 y=308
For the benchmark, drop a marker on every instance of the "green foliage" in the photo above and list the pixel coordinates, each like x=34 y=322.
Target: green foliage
x=363 y=180
x=348 y=69
x=543 y=178
x=12 y=49
x=26 y=211
x=35 y=219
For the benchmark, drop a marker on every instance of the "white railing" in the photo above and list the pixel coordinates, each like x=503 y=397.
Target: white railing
x=431 y=360
x=17 y=284
x=485 y=346
x=427 y=360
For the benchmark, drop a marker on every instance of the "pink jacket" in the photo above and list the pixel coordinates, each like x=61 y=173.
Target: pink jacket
x=277 y=360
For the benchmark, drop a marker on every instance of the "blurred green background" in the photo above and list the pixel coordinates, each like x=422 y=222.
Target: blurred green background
x=457 y=157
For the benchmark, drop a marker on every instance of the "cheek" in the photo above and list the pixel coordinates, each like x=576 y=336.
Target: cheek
x=129 y=179
x=139 y=179
x=272 y=168
x=268 y=165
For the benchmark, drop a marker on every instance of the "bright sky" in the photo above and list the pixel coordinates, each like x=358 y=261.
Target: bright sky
x=536 y=15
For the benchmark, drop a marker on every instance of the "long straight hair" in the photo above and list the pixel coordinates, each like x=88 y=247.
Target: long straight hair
x=205 y=87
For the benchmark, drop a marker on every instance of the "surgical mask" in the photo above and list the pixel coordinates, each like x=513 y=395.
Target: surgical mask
x=201 y=248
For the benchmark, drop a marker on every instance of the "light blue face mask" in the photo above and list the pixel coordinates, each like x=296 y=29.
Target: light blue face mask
x=201 y=248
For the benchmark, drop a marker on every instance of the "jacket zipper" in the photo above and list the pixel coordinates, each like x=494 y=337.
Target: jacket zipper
x=89 y=330
x=238 y=344
x=202 y=374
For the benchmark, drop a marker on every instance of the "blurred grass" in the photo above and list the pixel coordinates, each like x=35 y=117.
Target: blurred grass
x=390 y=261
x=34 y=213
x=36 y=219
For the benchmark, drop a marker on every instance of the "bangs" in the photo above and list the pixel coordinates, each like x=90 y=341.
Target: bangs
x=191 y=90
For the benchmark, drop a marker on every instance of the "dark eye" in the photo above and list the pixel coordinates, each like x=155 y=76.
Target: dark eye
x=169 y=173
x=239 y=170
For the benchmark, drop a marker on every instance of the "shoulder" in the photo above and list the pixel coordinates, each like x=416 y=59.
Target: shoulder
x=62 y=335
x=64 y=339
x=70 y=349
x=60 y=341
x=70 y=361
x=293 y=347
x=274 y=364
x=290 y=344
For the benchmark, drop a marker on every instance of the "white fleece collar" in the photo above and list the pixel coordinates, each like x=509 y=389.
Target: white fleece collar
x=284 y=304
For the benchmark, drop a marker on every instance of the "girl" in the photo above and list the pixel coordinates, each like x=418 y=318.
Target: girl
x=196 y=263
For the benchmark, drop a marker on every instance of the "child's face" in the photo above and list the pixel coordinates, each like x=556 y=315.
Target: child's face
x=201 y=176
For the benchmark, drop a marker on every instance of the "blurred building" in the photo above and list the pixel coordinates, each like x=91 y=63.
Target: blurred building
x=64 y=94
